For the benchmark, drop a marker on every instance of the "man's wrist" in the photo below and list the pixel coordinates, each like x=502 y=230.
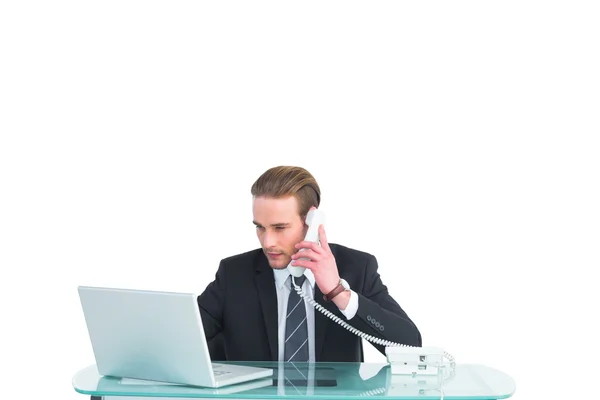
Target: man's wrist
x=352 y=307
x=342 y=300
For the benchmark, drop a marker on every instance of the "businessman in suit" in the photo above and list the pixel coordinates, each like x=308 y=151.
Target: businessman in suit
x=252 y=308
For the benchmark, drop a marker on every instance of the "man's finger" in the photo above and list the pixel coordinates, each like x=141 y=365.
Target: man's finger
x=308 y=264
x=305 y=253
x=309 y=245
x=323 y=238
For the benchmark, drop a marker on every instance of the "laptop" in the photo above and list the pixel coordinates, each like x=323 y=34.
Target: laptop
x=155 y=336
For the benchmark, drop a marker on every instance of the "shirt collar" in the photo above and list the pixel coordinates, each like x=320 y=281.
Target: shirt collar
x=281 y=277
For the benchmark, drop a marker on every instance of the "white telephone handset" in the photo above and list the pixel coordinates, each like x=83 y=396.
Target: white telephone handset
x=410 y=360
x=314 y=218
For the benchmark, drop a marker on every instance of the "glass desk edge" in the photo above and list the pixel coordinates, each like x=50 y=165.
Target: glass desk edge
x=86 y=380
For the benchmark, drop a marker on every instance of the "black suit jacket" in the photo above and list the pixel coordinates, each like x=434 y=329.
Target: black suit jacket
x=239 y=309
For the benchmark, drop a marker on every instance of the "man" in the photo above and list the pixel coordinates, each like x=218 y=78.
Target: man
x=253 y=309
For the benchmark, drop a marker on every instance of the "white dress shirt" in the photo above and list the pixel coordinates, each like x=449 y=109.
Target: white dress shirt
x=282 y=283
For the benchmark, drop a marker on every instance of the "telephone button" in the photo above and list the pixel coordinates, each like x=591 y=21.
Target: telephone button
x=377 y=324
x=369 y=318
x=381 y=328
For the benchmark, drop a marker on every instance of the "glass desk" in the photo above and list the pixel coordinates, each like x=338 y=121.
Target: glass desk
x=325 y=381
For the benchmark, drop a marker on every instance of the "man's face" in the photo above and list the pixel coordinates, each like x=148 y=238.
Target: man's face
x=278 y=227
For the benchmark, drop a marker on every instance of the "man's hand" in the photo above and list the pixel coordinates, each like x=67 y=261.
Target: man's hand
x=323 y=266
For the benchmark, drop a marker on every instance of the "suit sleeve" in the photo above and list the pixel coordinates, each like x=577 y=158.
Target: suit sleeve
x=380 y=315
x=212 y=303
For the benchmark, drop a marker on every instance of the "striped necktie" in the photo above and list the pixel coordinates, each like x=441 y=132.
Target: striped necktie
x=296 y=326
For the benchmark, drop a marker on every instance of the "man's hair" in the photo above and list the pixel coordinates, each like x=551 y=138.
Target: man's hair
x=286 y=181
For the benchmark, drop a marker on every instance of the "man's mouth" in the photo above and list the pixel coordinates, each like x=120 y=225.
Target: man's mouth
x=274 y=255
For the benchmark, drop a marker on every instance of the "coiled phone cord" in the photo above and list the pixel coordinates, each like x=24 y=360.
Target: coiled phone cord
x=363 y=335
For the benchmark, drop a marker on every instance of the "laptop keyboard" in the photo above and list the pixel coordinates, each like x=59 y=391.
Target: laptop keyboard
x=218 y=371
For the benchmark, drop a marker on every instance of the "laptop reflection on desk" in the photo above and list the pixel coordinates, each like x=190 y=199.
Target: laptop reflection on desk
x=139 y=386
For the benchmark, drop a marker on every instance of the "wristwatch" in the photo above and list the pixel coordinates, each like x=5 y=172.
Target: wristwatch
x=342 y=286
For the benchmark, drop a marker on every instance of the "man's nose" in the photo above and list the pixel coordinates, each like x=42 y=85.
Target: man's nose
x=269 y=239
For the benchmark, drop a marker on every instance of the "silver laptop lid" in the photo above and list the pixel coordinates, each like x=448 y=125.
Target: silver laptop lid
x=147 y=335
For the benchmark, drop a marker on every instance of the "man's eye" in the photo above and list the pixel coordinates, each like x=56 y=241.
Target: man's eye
x=280 y=228
x=259 y=228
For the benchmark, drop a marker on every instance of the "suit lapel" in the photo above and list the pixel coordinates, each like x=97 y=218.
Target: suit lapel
x=322 y=321
x=265 y=284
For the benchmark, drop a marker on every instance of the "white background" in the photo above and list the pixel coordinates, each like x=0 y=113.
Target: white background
x=456 y=141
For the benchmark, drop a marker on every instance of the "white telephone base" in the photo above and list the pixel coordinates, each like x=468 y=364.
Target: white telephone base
x=415 y=360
